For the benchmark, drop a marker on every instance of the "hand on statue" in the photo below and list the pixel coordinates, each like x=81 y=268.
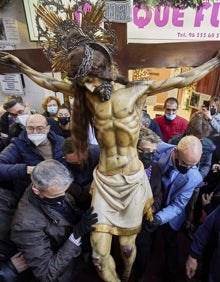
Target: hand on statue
x=151 y=226
x=84 y=226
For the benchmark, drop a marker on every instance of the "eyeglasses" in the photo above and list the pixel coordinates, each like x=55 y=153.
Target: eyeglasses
x=38 y=129
x=184 y=165
x=146 y=151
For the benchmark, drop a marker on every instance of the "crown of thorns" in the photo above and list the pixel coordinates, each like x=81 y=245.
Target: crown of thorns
x=60 y=33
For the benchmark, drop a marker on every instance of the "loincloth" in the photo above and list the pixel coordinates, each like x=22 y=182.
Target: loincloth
x=120 y=201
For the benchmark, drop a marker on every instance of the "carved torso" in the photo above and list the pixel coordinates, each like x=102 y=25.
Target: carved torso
x=117 y=125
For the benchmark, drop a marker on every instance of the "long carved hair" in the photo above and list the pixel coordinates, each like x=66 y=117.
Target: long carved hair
x=82 y=117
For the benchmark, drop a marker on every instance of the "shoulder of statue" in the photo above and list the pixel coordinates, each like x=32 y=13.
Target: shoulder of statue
x=116 y=86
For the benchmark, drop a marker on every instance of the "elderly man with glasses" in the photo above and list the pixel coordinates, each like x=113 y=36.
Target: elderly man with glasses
x=33 y=145
x=13 y=121
x=170 y=123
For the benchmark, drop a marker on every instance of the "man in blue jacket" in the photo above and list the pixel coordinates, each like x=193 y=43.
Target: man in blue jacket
x=33 y=145
x=180 y=176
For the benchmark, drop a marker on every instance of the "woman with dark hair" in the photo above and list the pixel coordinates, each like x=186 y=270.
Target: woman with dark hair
x=64 y=120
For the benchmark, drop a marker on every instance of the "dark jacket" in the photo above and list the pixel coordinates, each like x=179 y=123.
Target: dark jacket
x=154 y=177
x=155 y=127
x=83 y=176
x=41 y=234
x=83 y=173
x=19 y=154
x=208 y=232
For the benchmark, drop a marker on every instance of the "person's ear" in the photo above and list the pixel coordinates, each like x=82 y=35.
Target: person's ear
x=35 y=190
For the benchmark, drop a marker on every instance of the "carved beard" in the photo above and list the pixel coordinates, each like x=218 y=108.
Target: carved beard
x=103 y=91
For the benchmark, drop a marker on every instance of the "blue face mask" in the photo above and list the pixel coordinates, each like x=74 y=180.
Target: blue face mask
x=52 y=110
x=170 y=116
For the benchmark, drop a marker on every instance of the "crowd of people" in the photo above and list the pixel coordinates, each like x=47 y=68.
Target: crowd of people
x=63 y=201
x=44 y=181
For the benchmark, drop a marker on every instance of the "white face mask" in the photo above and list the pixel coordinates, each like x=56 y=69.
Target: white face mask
x=37 y=139
x=170 y=116
x=22 y=119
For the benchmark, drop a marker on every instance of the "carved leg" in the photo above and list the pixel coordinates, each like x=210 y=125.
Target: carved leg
x=128 y=252
x=103 y=261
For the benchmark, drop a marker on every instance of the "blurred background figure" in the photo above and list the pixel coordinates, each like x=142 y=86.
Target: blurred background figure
x=147 y=122
x=211 y=111
x=50 y=104
x=13 y=119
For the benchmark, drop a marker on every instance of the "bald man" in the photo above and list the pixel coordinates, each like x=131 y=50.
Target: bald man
x=180 y=175
x=35 y=144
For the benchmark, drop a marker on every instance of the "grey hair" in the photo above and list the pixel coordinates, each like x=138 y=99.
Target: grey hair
x=145 y=119
x=50 y=173
x=147 y=134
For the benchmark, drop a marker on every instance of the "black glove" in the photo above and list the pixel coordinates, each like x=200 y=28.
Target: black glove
x=151 y=226
x=85 y=224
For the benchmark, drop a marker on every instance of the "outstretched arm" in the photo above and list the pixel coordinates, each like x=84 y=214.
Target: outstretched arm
x=41 y=79
x=184 y=79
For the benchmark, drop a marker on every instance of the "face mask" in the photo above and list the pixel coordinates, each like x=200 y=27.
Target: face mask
x=37 y=139
x=21 y=119
x=180 y=168
x=52 y=110
x=146 y=159
x=170 y=116
x=213 y=111
x=64 y=120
